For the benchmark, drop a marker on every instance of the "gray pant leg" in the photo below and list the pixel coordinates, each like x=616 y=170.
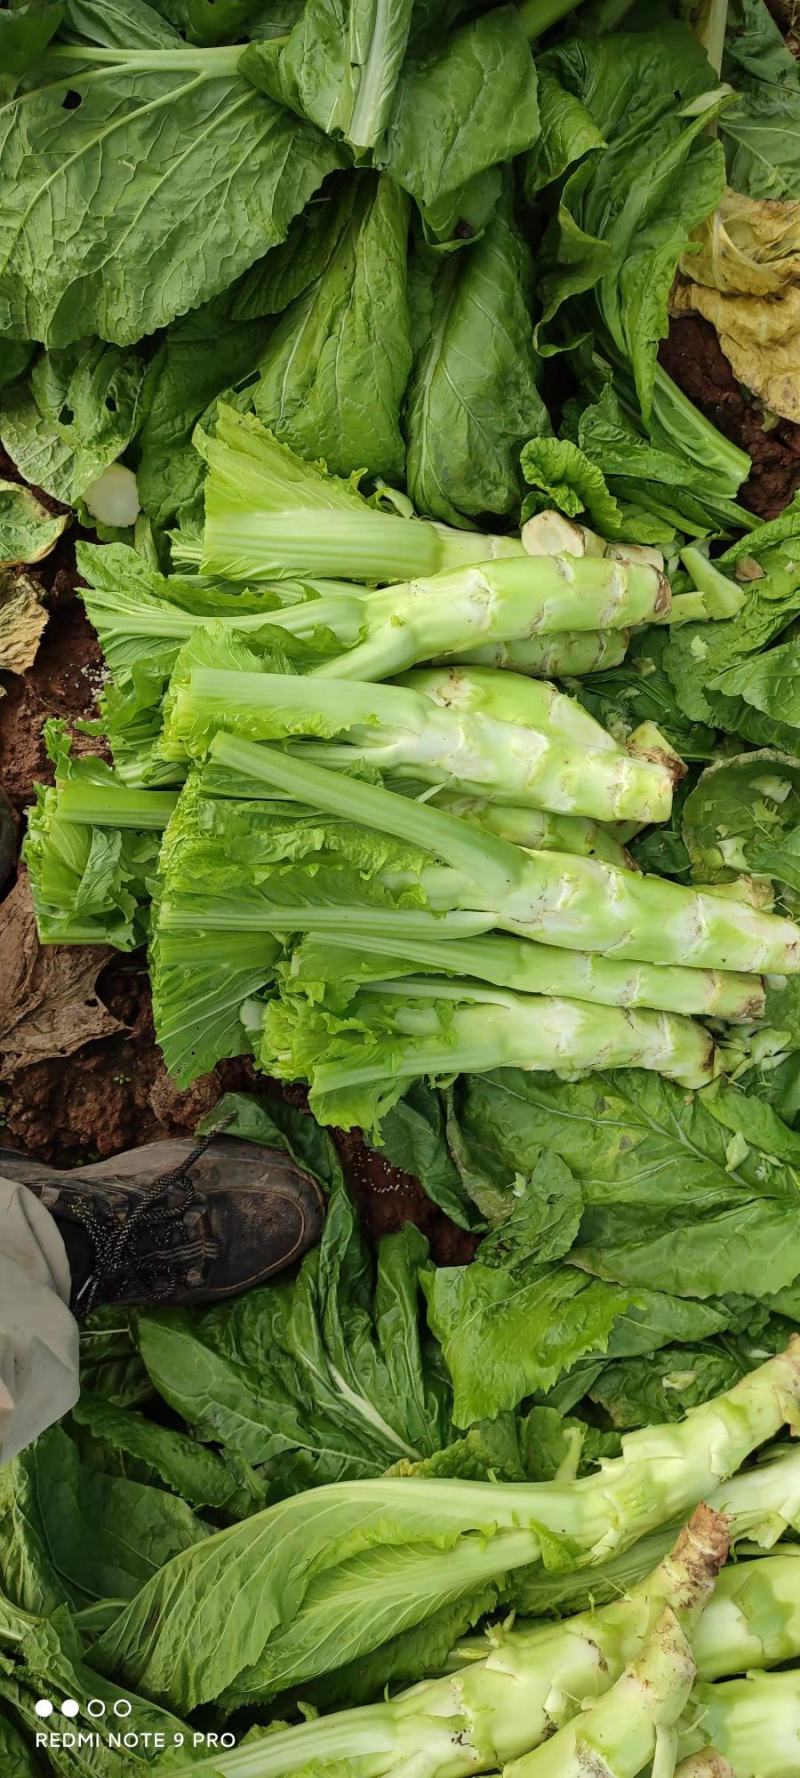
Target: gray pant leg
x=38 y=1334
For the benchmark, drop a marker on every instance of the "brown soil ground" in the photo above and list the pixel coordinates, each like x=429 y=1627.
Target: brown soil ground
x=694 y=359
x=114 y=1092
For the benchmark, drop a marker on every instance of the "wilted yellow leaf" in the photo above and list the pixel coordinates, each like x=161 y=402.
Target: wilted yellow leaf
x=22 y=620
x=744 y=277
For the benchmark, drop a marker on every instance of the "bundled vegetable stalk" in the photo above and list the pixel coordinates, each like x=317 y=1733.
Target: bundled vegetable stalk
x=366 y=1561
x=525 y=1692
x=617 y=960
x=509 y=1691
x=513 y=739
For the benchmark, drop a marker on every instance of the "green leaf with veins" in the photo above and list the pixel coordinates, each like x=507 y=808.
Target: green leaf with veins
x=206 y=354
x=469 y=104
x=560 y=474
x=761 y=131
x=743 y=815
x=473 y=397
x=699 y=657
x=673 y=1201
x=200 y=1476
x=339 y=66
x=568 y=132
x=69 y=1533
x=333 y=372
x=42 y=1657
x=174 y=179
x=667 y=1384
x=505 y=1336
x=770 y=683
x=73 y=416
x=399 y=1662
x=625 y=213
x=639 y=690
x=27 y=530
x=321 y=1380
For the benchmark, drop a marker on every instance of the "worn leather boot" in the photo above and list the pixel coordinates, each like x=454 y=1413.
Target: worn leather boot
x=176 y=1223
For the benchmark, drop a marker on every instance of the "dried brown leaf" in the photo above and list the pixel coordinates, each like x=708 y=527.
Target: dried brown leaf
x=49 y=1005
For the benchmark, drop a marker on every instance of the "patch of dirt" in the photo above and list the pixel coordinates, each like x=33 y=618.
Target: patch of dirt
x=114 y=1093
x=693 y=357
x=786 y=14
x=66 y=677
x=387 y=1198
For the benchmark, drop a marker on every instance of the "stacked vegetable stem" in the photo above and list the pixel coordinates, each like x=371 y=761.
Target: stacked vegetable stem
x=452 y=830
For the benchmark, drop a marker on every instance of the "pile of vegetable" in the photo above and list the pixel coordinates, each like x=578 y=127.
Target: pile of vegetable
x=447 y=764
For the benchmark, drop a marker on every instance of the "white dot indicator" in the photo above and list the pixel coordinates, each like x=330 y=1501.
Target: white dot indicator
x=43 y=1707
x=70 y=1707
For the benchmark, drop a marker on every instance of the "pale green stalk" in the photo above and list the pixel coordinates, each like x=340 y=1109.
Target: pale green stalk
x=537 y=829
x=97 y=805
x=716 y=596
x=499 y=602
x=218 y=913
x=399 y=729
x=531 y=968
x=574 y=903
x=270 y=514
x=762 y=1504
x=753 y=1723
x=632 y=1725
x=510 y=697
x=486 y=1028
x=566 y=654
x=754 y=1617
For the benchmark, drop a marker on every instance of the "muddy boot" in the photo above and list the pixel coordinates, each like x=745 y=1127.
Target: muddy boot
x=176 y=1223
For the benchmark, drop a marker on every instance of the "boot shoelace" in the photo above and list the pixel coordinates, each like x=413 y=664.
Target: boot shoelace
x=115 y=1255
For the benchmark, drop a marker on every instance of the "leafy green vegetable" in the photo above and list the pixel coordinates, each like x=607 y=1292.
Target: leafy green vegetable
x=175 y=174
x=90 y=879
x=744 y=815
x=363 y=1562
x=204 y=355
x=473 y=397
x=760 y=131
x=200 y=1476
x=28 y=531
x=703 y=664
x=626 y=211
x=74 y=417
x=462 y=108
x=72 y=1534
x=677 y=1198
x=334 y=370
x=560 y=474
x=652 y=489
x=323 y=1379
x=339 y=66
x=41 y=1656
